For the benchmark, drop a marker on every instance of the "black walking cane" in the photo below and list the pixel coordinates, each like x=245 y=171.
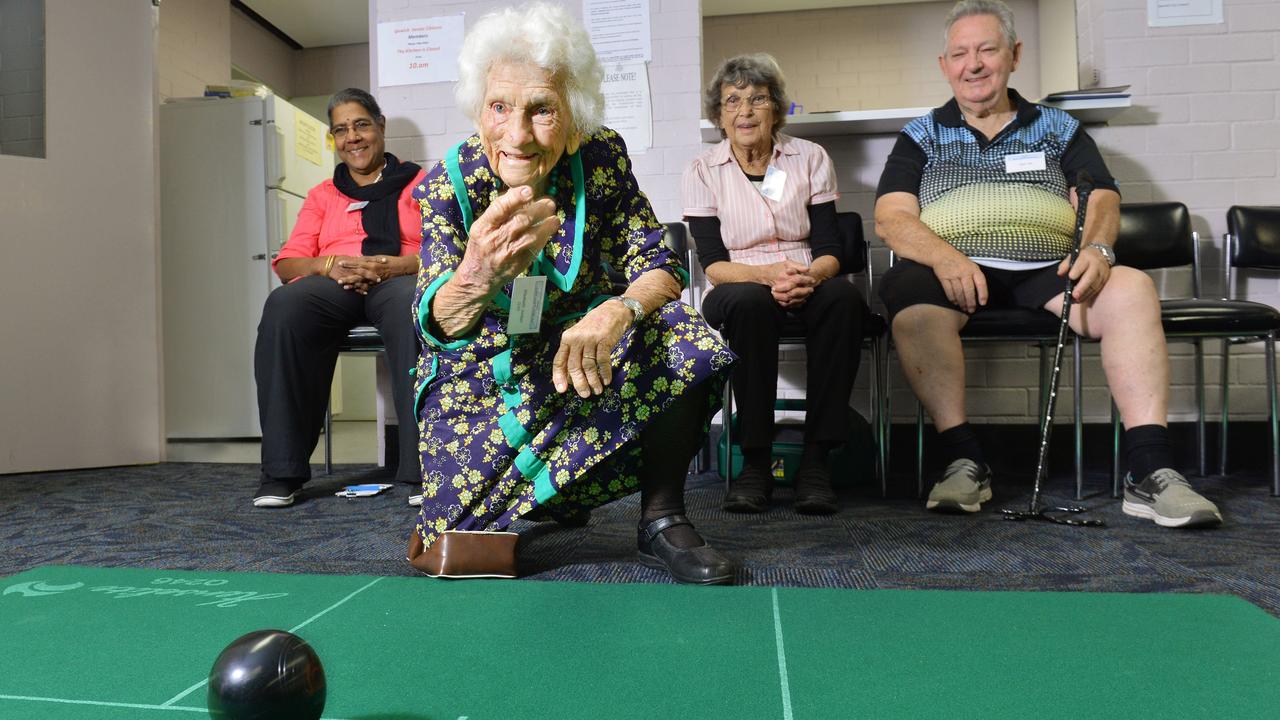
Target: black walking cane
x=1084 y=186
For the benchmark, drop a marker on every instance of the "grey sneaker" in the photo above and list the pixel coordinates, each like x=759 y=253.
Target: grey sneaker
x=1166 y=497
x=965 y=485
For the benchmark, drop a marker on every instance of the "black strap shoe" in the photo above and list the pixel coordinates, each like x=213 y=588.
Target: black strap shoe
x=702 y=565
x=749 y=492
x=814 y=495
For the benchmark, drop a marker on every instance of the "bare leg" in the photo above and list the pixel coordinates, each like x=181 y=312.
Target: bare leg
x=1135 y=358
x=928 y=341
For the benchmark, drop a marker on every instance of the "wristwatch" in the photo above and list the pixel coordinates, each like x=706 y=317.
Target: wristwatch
x=1107 y=251
x=637 y=310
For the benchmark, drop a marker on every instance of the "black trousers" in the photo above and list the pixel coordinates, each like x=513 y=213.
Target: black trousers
x=751 y=321
x=297 y=349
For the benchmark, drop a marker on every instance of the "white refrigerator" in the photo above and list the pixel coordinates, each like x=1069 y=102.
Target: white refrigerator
x=233 y=175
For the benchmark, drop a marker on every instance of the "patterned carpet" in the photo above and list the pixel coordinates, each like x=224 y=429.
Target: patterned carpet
x=198 y=516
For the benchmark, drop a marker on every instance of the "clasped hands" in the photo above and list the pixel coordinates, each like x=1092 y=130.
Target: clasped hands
x=358 y=272
x=791 y=283
x=501 y=245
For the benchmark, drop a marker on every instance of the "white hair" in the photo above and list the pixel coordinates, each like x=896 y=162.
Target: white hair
x=542 y=34
x=969 y=8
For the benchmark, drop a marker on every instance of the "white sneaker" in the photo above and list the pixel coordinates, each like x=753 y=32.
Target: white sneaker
x=415 y=500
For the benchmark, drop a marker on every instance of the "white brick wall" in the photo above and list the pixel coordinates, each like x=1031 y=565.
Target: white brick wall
x=22 y=79
x=194 y=47
x=858 y=58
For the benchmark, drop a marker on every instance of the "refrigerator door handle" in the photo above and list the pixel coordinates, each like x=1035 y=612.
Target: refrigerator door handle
x=275 y=146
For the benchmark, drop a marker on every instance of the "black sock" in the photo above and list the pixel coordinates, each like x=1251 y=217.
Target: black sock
x=959 y=442
x=1148 y=449
x=758 y=459
x=814 y=454
x=667 y=446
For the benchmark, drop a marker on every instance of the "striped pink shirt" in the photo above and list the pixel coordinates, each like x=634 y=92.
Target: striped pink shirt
x=755 y=229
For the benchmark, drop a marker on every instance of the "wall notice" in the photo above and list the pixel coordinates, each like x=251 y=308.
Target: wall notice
x=627 y=106
x=1163 y=13
x=619 y=30
x=411 y=52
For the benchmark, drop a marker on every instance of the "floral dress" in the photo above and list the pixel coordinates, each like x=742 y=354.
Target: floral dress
x=496 y=439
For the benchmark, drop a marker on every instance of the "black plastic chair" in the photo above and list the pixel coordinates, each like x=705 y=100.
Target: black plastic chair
x=853 y=261
x=1157 y=236
x=1252 y=242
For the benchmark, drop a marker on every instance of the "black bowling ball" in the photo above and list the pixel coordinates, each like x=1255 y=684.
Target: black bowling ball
x=267 y=675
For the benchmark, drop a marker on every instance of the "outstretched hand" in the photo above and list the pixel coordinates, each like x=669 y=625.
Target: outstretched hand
x=504 y=240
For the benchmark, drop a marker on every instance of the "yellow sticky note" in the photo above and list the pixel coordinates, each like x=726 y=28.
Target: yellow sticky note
x=308 y=137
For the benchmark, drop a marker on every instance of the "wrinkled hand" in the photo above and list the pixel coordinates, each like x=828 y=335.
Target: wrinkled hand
x=504 y=240
x=1090 y=272
x=963 y=282
x=793 y=286
x=583 y=357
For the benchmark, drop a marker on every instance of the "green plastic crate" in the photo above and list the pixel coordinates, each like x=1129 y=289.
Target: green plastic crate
x=849 y=464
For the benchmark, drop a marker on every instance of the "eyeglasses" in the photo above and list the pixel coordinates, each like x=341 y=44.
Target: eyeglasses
x=360 y=126
x=733 y=102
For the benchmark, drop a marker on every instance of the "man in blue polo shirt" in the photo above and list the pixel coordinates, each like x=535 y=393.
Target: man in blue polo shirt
x=978 y=198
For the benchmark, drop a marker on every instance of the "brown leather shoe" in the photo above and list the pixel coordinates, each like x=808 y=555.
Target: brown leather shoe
x=465 y=554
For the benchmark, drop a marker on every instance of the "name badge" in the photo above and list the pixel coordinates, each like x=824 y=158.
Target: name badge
x=357 y=205
x=1024 y=162
x=526 y=304
x=774 y=181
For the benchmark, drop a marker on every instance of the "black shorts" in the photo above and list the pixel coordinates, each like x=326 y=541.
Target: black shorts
x=909 y=283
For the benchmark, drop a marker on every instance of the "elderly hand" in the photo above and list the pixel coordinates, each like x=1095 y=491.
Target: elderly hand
x=792 y=289
x=962 y=280
x=583 y=357
x=1090 y=272
x=505 y=239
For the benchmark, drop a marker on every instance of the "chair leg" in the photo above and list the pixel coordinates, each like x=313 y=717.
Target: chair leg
x=1200 y=431
x=886 y=413
x=1222 y=426
x=1077 y=396
x=919 y=449
x=1115 y=450
x=877 y=423
x=726 y=425
x=1272 y=411
x=328 y=439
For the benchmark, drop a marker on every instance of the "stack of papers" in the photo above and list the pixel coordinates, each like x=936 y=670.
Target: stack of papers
x=1098 y=93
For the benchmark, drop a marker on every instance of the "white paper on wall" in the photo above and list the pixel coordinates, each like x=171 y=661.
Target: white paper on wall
x=1162 y=13
x=419 y=51
x=619 y=30
x=627 y=105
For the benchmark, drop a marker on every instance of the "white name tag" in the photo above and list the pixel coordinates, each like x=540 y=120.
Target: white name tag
x=357 y=205
x=774 y=181
x=1024 y=162
x=526 y=304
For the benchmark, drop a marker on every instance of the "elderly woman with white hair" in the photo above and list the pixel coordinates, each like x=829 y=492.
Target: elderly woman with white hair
x=541 y=391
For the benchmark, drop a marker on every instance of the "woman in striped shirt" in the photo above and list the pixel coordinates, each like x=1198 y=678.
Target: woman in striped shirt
x=761 y=207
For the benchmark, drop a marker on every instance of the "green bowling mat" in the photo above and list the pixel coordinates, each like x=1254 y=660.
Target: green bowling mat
x=79 y=643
